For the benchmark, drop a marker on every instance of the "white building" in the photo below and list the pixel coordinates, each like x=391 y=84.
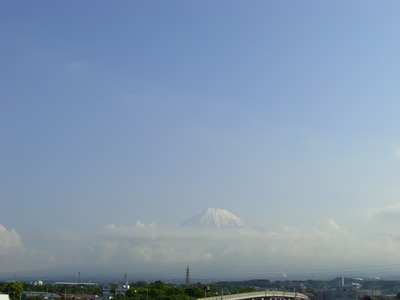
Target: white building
x=121 y=289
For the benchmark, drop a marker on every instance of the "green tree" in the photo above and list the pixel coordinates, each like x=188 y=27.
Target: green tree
x=195 y=291
x=3 y=287
x=120 y=297
x=140 y=284
x=174 y=291
x=247 y=289
x=143 y=293
x=131 y=293
x=15 y=290
x=157 y=290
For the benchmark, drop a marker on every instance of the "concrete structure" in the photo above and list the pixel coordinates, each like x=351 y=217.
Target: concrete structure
x=44 y=295
x=262 y=295
x=106 y=292
x=4 y=297
x=349 y=291
x=339 y=294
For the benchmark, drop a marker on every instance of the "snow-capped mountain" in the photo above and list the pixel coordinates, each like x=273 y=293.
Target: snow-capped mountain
x=217 y=218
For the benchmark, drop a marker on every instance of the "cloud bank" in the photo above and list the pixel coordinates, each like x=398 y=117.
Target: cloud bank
x=144 y=248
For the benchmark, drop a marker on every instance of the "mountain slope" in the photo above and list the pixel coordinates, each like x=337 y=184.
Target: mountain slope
x=217 y=218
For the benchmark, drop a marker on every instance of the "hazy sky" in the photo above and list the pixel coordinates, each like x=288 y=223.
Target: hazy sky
x=120 y=120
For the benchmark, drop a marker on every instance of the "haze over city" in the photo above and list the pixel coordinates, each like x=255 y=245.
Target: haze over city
x=121 y=120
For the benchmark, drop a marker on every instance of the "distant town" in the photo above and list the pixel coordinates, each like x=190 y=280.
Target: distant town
x=340 y=288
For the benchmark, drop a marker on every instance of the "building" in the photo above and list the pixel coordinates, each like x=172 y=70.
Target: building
x=350 y=291
x=106 y=292
x=44 y=295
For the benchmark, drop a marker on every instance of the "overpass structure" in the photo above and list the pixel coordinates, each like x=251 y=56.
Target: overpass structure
x=262 y=295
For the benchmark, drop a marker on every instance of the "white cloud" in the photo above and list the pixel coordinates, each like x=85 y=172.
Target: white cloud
x=289 y=248
x=144 y=247
x=390 y=212
x=139 y=224
x=111 y=226
x=10 y=242
x=331 y=226
x=152 y=225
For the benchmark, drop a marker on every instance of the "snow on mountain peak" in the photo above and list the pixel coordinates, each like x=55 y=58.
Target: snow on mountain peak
x=217 y=218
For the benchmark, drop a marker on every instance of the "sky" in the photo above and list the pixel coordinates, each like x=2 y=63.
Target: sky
x=119 y=121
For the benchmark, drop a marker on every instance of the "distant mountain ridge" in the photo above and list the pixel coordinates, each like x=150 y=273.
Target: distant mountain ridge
x=217 y=218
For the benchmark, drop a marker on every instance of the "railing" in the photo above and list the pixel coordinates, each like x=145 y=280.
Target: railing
x=261 y=295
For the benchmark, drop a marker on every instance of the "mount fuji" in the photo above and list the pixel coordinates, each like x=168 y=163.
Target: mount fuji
x=218 y=218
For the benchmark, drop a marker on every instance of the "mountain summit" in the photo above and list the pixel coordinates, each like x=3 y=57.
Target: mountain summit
x=217 y=218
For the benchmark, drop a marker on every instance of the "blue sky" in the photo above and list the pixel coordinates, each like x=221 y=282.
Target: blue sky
x=147 y=112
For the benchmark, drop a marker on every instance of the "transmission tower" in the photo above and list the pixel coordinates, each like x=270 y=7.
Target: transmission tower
x=187 y=276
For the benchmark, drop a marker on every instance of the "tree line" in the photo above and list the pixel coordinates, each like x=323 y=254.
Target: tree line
x=140 y=290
